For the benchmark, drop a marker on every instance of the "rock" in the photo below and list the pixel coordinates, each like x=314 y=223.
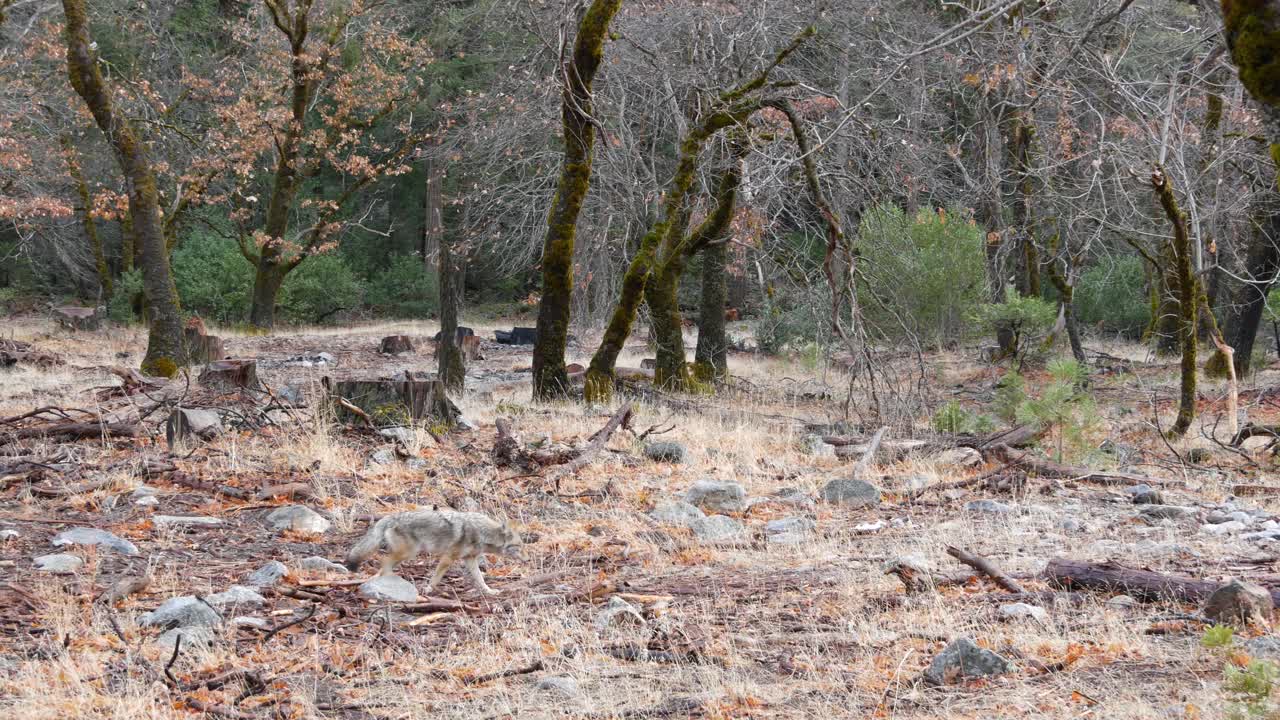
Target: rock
x=560 y=684
x=1071 y=524
x=962 y=659
x=959 y=457
x=389 y=587
x=1165 y=512
x=668 y=452
x=464 y=424
x=915 y=483
x=185 y=521
x=297 y=517
x=58 y=563
x=813 y=445
x=384 y=456
x=868 y=528
x=236 y=596
x=184 y=612
x=185 y=423
x=315 y=563
x=416 y=463
x=677 y=513
x=144 y=491
x=292 y=394
x=402 y=435
x=1239 y=603
x=801 y=525
x=1261 y=535
x=1266 y=647
x=147 y=501
x=250 y=622
x=717 y=496
x=1121 y=601
x=789 y=538
x=517 y=336
x=1225 y=528
x=9 y=534
x=715 y=528
x=617 y=612
x=991 y=507
x=93 y=536
x=792 y=496
x=1216 y=517
x=191 y=637
x=851 y=493
x=1242 y=517
x=1022 y=611
x=1148 y=497
x=267 y=575
x=307 y=360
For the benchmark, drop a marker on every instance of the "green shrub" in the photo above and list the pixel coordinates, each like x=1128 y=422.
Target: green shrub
x=1029 y=318
x=1112 y=296
x=786 y=324
x=927 y=272
x=319 y=288
x=1062 y=407
x=406 y=289
x=1011 y=393
x=120 y=307
x=213 y=279
x=954 y=419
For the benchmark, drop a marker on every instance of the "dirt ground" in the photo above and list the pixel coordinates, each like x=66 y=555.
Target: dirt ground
x=759 y=624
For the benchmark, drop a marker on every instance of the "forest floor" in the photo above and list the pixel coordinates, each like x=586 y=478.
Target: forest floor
x=784 y=609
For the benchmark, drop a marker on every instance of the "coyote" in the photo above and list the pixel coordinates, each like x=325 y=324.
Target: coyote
x=451 y=535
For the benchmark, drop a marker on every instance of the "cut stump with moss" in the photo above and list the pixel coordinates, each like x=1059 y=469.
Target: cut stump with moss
x=385 y=402
x=230 y=375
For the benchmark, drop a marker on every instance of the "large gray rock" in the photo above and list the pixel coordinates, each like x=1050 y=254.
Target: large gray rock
x=792 y=496
x=185 y=612
x=236 y=596
x=389 y=587
x=192 y=637
x=959 y=457
x=717 y=496
x=185 y=521
x=670 y=452
x=677 y=513
x=9 y=534
x=1022 y=611
x=1266 y=647
x=1240 y=603
x=93 y=536
x=716 y=528
x=58 y=563
x=962 y=659
x=383 y=456
x=851 y=493
x=297 y=517
x=187 y=423
x=785 y=526
x=267 y=575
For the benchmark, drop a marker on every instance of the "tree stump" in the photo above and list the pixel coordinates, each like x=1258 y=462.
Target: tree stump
x=470 y=346
x=384 y=402
x=395 y=344
x=230 y=375
x=463 y=332
x=517 y=336
x=201 y=348
x=79 y=318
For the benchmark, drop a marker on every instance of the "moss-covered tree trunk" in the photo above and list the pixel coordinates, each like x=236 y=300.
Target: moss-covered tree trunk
x=450 y=366
x=1188 y=296
x=86 y=217
x=165 y=351
x=711 y=358
x=550 y=380
x=1244 y=313
x=268 y=278
x=1066 y=296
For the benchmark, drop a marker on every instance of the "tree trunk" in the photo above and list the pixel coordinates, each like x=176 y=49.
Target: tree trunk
x=1244 y=313
x=550 y=380
x=267 y=281
x=451 y=367
x=86 y=218
x=712 y=355
x=1188 y=295
x=433 y=211
x=165 y=351
x=661 y=294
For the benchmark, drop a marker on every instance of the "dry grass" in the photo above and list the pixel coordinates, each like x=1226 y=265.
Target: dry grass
x=810 y=629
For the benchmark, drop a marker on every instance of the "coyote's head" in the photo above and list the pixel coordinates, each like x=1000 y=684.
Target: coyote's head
x=508 y=541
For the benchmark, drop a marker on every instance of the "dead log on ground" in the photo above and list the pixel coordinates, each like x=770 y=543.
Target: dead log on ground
x=985 y=566
x=72 y=431
x=230 y=375
x=1255 y=490
x=1140 y=584
x=69 y=490
x=1047 y=468
x=1016 y=437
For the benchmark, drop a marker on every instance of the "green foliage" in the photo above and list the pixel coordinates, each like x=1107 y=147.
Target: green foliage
x=926 y=272
x=1062 y=407
x=1218 y=636
x=1011 y=393
x=954 y=419
x=406 y=289
x=319 y=288
x=786 y=323
x=1250 y=687
x=213 y=279
x=120 y=306
x=1112 y=296
x=1029 y=319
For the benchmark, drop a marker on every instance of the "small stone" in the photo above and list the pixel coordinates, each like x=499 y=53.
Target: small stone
x=144 y=491
x=267 y=575
x=869 y=527
x=147 y=501
x=992 y=507
x=58 y=563
x=399 y=434
x=1225 y=528
x=185 y=521
x=297 y=517
x=465 y=424
x=1262 y=535
x=801 y=525
x=250 y=622
x=1216 y=517
x=315 y=563
x=668 y=452
x=1165 y=512
x=715 y=528
x=185 y=612
x=1239 y=603
x=717 y=496
x=959 y=457
x=677 y=513
x=1071 y=524
x=291 y=394
x=389 y=587
x=851 y=493
x=962 y=659
x=236 y=596
x=191 y=637
x=9 y=534
x=916 y=483
x=792 y=496
x=1242 y=517
x=1148 y=497
x=618 y=612
x=93 y=536
x=415 y=463
x=383 y=456
x=1266 y=647
x=560 y=684
x=185 y=423
x=1022 y=611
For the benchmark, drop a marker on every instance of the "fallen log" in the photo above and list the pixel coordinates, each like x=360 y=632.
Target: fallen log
x=69 y=490
x=986 y=567
x=72 y=431
x=1140 y=584
x=1047 y=468
x=1019 y=436
x=1255 y=490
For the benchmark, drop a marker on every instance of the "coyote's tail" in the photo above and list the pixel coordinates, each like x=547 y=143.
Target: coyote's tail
x=367 y=546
